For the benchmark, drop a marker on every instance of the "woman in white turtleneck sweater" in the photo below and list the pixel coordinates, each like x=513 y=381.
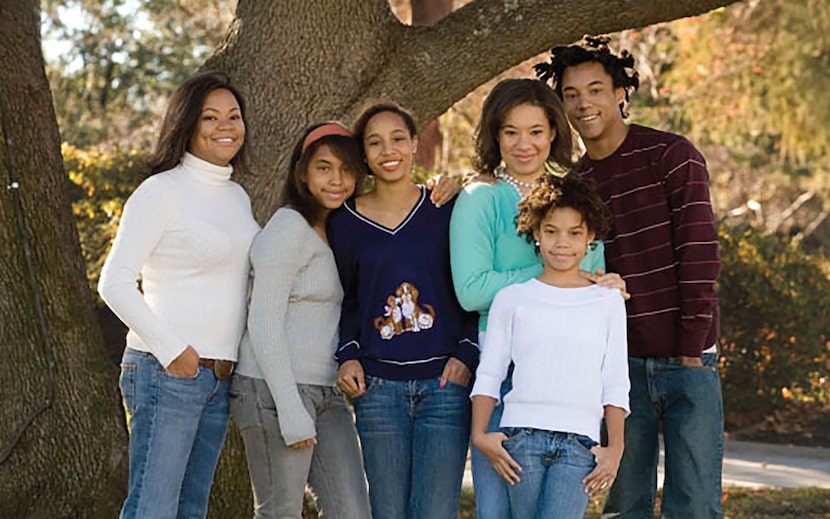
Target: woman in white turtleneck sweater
x=185 y=232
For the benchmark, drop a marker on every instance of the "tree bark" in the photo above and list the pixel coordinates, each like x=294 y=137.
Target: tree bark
x=324 y=60
x=71 y=460
x=430 y=140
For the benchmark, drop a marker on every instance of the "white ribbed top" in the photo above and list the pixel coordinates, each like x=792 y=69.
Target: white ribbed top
x=186 y=233
x=570 y=353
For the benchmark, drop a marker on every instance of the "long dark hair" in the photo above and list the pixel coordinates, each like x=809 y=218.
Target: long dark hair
x=182 y=119
x=508 y=94
x=295 y=191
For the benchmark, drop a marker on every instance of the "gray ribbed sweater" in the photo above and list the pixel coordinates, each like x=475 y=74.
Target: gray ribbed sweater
x=293 y=317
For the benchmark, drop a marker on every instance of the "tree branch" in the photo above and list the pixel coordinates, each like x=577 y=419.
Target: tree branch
x=433 y=69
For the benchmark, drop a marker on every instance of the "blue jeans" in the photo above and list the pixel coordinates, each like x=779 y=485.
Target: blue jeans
x=553 y=466
x=279 y=473
x=414 y=436
x=492 y=501
x=177 y=426
x=686 y=402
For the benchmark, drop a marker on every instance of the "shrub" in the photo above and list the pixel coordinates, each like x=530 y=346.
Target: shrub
x=775 y=303
x=100 y=184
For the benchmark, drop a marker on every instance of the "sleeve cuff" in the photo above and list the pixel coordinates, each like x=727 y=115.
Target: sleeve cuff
x=349 y=351
x=468 y=354
x=487 y=385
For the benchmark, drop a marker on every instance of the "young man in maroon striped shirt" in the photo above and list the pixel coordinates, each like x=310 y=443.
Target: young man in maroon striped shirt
x=664 y=244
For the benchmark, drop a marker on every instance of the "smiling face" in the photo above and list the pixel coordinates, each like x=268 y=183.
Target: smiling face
x=563 y=239
x=593 y=106
x=329 y=180
x=389 y=147
x=524 y=139
x=221 y=130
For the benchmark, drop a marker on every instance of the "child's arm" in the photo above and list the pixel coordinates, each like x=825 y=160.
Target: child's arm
x=490 y=443
x=608 y=458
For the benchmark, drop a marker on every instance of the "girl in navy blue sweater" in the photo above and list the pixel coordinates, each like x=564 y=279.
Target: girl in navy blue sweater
x=407 y=350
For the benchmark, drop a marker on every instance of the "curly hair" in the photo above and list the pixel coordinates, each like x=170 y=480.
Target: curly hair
x=506 y=95
x=554 y=192
x=591 y=49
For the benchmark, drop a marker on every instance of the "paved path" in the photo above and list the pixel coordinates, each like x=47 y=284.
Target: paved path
x=748 y=464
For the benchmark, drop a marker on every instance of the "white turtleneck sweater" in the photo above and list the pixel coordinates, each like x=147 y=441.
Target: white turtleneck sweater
x=186 y=233
x=570 y=356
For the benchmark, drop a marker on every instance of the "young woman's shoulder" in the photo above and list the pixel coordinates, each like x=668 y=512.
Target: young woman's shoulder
x=287 y=220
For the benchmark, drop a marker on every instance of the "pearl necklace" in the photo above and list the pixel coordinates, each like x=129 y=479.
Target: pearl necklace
x=518 y=185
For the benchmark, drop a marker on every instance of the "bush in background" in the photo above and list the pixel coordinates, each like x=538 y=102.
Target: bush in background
x=775 y=310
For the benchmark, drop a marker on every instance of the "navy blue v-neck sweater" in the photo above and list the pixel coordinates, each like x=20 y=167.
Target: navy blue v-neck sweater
x=400 y=316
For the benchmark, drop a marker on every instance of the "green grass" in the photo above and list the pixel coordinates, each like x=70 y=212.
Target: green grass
x=738 y=503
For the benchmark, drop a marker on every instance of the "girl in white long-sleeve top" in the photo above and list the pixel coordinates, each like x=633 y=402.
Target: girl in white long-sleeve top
x=567 y=340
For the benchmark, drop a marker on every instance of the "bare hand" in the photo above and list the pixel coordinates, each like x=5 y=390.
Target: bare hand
x=473 y=177
x=602 y=477
x=456 y=372
x=490 y=444
x=186 y=365
x=443 y=189
x=302 y=444
x=692 y=362
x=350 y=378
x=610 y=280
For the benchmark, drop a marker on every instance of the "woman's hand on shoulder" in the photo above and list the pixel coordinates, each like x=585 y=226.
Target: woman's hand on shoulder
x=444 y=189
x=471 y=177
x=350 y=378
x=609 y=280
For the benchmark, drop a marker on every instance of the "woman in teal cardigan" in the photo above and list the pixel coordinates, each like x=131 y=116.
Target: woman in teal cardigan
x=523 y=134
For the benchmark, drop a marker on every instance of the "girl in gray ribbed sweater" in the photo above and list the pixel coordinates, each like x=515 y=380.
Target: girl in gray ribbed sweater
x=296 y=425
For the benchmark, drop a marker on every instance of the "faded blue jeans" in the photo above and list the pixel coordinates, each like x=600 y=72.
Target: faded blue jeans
x=492 y=501
x=279 y=473
x=177 y=426
x=414 y=436
x=686 y=404
x=553 y=467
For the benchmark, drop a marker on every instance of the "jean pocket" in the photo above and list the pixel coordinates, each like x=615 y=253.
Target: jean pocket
x=369 y=382
x=171 y=376
x=514 y=433
x=126 y=383
x=585 y=441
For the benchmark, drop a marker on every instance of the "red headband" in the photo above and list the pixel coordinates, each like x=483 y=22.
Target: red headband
x=324 y=131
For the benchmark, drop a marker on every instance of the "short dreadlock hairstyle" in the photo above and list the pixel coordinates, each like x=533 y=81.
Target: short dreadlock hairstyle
x=591 y=49
x=554 y=192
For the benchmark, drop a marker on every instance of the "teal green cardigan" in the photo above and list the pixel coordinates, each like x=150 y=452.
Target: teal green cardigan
x=486 y=253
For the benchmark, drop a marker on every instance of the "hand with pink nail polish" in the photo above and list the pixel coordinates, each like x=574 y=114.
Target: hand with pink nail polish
x=456 y=372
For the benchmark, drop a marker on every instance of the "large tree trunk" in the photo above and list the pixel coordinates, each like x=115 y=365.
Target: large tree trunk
x=71 y=460
x=316 y=60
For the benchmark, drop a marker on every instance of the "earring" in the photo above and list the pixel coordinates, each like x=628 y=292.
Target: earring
x=537 y=243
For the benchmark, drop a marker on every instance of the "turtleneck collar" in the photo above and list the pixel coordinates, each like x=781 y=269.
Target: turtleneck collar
x=204 y=171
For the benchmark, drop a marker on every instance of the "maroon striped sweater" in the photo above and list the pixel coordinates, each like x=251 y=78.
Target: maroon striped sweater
x=663 y=241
